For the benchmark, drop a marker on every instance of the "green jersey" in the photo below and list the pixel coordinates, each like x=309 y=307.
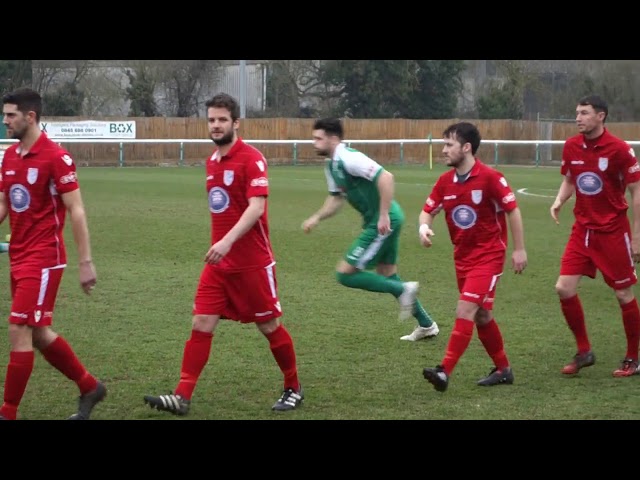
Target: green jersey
x=352 y=174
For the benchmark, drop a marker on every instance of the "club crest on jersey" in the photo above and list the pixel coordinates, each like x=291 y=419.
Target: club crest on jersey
x=476 y=196
x=218 y=200
x=589 y=183
x=603 y=163
x=228 y=177
x=20 y=198
x=32 y=175
x=464 y=216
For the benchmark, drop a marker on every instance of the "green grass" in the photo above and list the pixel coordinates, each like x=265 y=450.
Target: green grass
x=150 y=232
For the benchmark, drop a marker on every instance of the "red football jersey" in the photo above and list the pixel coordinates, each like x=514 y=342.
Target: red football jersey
x=475 y=214
x=32 y=186
x=601 y=169
x=231 y=181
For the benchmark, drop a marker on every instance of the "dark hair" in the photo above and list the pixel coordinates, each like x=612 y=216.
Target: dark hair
x=223 y=100
x=331 y=126
x=598 y=104
x=464 y=132
x=26 y=99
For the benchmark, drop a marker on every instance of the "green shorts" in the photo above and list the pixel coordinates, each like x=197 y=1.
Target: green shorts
x=371 y=249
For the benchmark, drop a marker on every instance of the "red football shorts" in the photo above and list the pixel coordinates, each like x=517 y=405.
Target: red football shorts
x=479 y=285
x=248 y=297
x=34 y=294
x=610 y=252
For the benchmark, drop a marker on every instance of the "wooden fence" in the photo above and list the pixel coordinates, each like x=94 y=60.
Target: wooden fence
x=97 y=154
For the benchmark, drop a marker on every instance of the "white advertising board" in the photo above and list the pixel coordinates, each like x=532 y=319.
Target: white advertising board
x=89 y=129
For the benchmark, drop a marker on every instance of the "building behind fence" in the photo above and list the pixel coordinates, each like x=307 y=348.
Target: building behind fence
x=255 y=129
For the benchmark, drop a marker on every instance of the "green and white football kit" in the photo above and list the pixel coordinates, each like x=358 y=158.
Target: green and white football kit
x=353 y=175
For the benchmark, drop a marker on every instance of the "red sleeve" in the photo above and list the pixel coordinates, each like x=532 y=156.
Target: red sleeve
x=257 y=178
x=564 y=167
x=630 y=164
x=502 y=192
x=64 y=172
x=433 y=204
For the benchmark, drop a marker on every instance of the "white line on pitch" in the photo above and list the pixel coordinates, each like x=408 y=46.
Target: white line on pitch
x=523 y=191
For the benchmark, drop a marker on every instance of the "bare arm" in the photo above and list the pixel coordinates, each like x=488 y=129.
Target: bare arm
x=566 y=190
x=634 y=190
x=386 y=188
x=78 y=217
x=4 y=207
x=246 y=221
x=331 y=206
x=519 y=255
x=385 y=184
x=517 y=228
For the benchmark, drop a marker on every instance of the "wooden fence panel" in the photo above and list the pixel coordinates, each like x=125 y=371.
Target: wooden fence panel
x=97 y=154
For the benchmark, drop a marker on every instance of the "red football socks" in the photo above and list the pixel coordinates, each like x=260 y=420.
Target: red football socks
x=195 y=357
x=574 y=315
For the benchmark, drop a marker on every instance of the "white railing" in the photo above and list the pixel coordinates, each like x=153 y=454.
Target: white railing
x=402 y=142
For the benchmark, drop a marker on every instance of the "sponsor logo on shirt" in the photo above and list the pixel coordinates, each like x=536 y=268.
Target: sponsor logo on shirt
x=511 y=197
x=218 y=200
x=69 y=178
x=260 y=182
x=464 y=216
x=589 y=183
x=20 y=198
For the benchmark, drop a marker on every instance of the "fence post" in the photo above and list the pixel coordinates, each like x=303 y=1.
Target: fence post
x=537 y=154
x=495 y=154
x=121 y=155
x=401 y=153
x=295 y=153
x=430 y=152
x=181 y=163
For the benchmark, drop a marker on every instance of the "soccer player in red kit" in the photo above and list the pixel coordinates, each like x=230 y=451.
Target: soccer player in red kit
x=598 y=167
x=238 y=281
x=38 y=186
x=477 y=202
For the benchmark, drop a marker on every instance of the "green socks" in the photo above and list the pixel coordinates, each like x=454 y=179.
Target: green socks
x=371 y=282
x=393 y=284
x=419 y=313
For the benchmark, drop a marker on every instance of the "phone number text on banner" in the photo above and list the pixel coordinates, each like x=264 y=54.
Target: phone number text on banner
x=89 y=129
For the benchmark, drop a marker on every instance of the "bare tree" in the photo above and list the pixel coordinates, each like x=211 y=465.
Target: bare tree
x=48 y=74
x=184 y=82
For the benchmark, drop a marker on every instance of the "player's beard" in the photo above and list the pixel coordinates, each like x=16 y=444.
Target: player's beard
x=455 y=162
x=226 y=139
x=18 y=132
x=322 y=153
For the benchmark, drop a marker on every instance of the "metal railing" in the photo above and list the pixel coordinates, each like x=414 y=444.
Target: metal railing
x=402 y=142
